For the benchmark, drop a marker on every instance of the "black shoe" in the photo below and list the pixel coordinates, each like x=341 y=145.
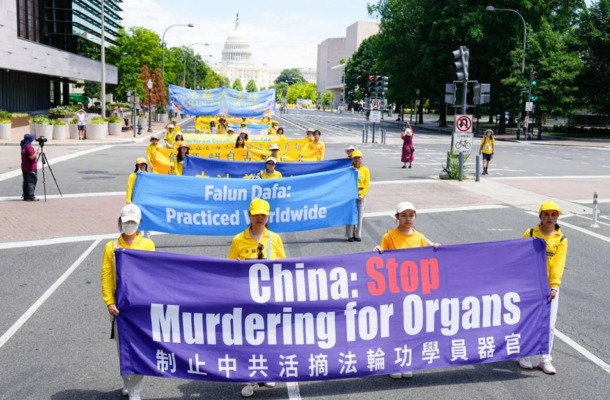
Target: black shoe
x=357 y=239
x=350 y=239
x=409 y=165
x=404 y=166
x=32 y=199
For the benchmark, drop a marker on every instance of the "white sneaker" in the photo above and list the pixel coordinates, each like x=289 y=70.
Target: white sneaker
x=525 y=363
x=249 y=389
x=547 y=368
x=407 y=375
x=125 y=392
x=270 y=384
x=397 y=375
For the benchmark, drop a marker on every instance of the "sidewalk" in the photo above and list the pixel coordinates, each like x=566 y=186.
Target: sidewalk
x=124 y=137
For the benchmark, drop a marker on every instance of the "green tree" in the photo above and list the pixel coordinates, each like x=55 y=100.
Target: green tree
x=327 y=98
x=237 y=85
x=290 y=76
x=593 y=34
x=358 y=68
x=304 y=90
x=251 y=86
x=224 y=82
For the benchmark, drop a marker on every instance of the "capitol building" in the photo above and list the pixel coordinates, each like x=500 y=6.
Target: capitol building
x=237 y=63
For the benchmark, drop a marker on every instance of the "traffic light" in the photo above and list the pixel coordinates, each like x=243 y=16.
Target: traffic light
x=379 y=84
x=449 y=93
x=461 y=56
x=384 y=86
x=534 y=78
x=371 y=83
x=481 y=93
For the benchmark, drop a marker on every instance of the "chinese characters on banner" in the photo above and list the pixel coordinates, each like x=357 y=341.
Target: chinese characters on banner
x=342 y=316
x=222 y=101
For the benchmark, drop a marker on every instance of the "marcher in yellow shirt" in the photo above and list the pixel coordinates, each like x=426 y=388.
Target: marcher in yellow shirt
x=403 y=237
x=169 y=137
x=257 y=243
x=174 y=122
x=556 y=253
x=183 y=151
x=131 y=180
x=349 y=151
x=354 y=232
x=280 y=134
x=488 y=147
x=222 y=126
x=318 y=145
x=309 y=134
x=151 y=151
x=273 y=128
x=275 y=152
x=129 y=222
x=178 y=141
x=269 y=172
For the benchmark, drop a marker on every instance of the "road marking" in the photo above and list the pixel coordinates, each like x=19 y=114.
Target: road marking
x=61 y=240
x=439 y=210
x=24 y=318
x=592 y=357
x=591 y=219
x=579 y=229
x=293 y=391
x=588 y=201
x=12 y=174
x=69 y=196
x=405 y=181
x=555 y=177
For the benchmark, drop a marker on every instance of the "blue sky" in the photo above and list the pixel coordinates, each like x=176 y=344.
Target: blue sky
x=282 y=33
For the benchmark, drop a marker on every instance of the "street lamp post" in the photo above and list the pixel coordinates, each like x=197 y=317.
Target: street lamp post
x=492 y=8
x=149 y=84
x=163 y=48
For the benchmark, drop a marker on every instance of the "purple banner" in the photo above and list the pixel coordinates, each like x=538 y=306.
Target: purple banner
x=331 y=317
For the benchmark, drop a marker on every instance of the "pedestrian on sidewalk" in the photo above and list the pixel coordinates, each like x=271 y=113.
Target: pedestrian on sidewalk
x=129 y=222
x=488 y=145
x=556 y=253
x=29 y=167
x=81 y=120
x=403 y=237
x=354 y=232
x=408 y=149
x=257 y=243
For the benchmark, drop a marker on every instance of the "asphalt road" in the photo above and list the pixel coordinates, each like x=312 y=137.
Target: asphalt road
x=63 y=350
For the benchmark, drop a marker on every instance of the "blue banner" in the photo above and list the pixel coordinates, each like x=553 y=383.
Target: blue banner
x=222 y=101
x=194 y=166
x=339 y=316
x=188 y=205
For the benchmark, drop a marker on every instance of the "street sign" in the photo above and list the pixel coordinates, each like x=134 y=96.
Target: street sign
x=529 y=106
x=375 y=116
x=534 y=98
x=463 y=123
x=462 y=142
x=376 y=104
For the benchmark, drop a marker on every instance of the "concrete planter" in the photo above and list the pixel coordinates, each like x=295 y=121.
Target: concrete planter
x=143 y=122
x=73 y=131
x=18 y=122
x=114 y=128
x=5 y=131
x=59 y=132
x=32 y=128
x=162 y=117
x=97 y=132
x=44 y=130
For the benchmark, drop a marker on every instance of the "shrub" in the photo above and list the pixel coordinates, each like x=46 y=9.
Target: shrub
x=114 y=120
x=63 y=111
x=19 y=115
x=453 y=168
x=5 y=121
x=161 y=110
x=97 y=121
x=57 y=122
x=5 y=114
x=74 y=121
x=41 y=120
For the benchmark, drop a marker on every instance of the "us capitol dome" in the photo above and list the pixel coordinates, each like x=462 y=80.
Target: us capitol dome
x=237 y=62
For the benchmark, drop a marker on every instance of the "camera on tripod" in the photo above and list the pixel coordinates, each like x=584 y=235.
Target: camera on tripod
x=41 y=141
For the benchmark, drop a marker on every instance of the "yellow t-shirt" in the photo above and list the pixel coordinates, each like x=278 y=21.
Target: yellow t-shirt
x=108 y=268
x=131 y=181
x=178 y=166
x=151 y=153
x=364 y=180
x=487 y=145
x=272 y=131
x=556 y=253
x=320 y=150
x=263 y=175
x=169 y=138
x=221 y=129
x=395 y=239
x=245 y=248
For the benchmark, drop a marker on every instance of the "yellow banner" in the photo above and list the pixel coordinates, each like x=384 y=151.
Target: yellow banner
x=202 y=124
x=222 y=147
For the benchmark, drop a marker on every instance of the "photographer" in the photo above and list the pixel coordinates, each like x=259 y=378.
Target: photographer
x=29 y=167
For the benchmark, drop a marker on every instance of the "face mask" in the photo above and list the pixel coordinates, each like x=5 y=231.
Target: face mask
x=129 y=228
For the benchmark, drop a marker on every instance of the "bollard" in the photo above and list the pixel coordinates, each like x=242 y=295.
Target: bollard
x=477 y=168
x=461 y=159
x=373 y=141
x=363 y=128
x=383 y=132
x=595 y=211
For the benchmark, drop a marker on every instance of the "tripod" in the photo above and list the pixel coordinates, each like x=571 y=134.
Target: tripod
x=43 y=156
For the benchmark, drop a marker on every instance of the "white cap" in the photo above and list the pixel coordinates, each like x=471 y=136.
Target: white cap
x=350 y=148
x=310 y=129
x=170 y=126
x=271 y=159
x=405 y=205
x=274 y=146
x=131 y=212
